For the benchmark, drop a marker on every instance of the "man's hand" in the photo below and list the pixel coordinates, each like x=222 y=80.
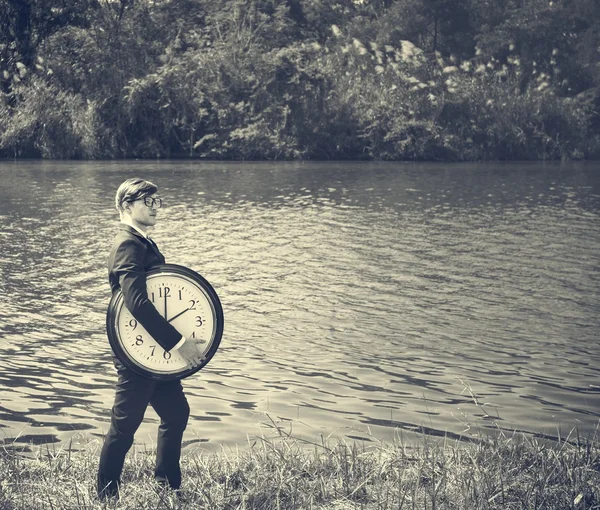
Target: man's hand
x=191 y=351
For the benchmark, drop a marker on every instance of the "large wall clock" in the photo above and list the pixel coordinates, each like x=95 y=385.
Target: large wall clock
x=188 y=302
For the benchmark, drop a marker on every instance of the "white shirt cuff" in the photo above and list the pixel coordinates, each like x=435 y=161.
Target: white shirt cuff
x=180 y=343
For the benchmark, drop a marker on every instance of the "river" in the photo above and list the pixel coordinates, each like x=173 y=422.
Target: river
x=362 y=301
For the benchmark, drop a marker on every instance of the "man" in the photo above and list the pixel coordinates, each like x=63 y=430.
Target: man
x=133 y=253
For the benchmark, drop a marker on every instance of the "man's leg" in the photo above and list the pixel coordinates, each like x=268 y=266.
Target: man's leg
x=170 y=404
x=132 y=395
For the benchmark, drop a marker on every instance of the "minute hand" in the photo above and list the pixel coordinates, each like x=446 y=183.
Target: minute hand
x=175 y=316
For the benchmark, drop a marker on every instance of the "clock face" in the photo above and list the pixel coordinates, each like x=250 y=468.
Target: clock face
x=184 y=299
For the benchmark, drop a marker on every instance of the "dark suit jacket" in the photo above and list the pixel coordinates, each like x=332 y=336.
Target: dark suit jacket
x=130 y=257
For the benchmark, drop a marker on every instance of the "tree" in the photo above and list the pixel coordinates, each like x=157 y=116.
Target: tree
x=555 y=38
x=26 y=24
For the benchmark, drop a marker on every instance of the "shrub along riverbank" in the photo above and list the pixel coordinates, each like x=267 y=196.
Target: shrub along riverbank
x=300 y=79
x=506 y=472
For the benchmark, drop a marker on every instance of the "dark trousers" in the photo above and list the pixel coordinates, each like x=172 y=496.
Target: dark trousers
x=133 y=394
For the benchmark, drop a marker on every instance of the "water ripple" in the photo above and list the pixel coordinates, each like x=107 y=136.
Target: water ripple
x=358 y=298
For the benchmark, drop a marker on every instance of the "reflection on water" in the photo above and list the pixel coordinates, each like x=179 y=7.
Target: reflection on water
x=360 y=299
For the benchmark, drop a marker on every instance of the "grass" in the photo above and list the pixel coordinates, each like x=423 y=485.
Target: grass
x=513 y=471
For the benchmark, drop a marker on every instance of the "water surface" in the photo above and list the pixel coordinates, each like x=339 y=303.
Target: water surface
x=361 y=300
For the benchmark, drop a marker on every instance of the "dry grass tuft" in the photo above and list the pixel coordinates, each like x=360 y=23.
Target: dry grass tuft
x=504 y=472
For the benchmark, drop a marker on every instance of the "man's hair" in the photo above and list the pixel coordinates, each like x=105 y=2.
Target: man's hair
x=133 y=189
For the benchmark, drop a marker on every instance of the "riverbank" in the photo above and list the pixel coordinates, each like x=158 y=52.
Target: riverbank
x=508 y=471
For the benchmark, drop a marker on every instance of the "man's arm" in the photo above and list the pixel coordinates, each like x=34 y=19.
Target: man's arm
x=128 y=267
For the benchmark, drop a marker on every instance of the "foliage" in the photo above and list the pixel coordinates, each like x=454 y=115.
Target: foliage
x=365 y=79
x=489 y=118
x=26 y=24
x=50 y=122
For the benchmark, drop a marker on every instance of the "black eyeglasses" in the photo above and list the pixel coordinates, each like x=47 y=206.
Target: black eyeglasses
x=151 y=202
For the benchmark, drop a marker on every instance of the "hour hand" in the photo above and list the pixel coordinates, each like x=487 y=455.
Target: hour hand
x=175 y=316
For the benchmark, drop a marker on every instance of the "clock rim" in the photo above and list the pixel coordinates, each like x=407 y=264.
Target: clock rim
x=117 y=301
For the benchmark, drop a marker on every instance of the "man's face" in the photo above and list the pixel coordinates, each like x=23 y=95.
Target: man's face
x=141 y=213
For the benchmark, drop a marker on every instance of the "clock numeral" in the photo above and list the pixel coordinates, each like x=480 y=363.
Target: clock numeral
x=133 y=324
x=152 y=298
x=192 y=305
x=153 y=347
x=139 y=340
x=167 y=292
x=179 y=295
x=198 y=321
x=167 y=355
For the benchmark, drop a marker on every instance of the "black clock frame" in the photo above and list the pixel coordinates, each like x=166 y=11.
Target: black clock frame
x=117 y=301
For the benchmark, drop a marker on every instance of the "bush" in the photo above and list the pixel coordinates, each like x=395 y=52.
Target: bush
x=488 y=117
x=47 y=122
x=251 y=80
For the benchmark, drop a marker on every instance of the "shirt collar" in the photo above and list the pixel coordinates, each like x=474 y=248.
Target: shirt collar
x=139 y=231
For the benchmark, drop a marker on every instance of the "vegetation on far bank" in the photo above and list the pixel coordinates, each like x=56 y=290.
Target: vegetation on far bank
x=300 y=79
x=506 y=472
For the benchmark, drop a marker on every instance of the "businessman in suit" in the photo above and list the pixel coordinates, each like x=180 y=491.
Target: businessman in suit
x=132 y=254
